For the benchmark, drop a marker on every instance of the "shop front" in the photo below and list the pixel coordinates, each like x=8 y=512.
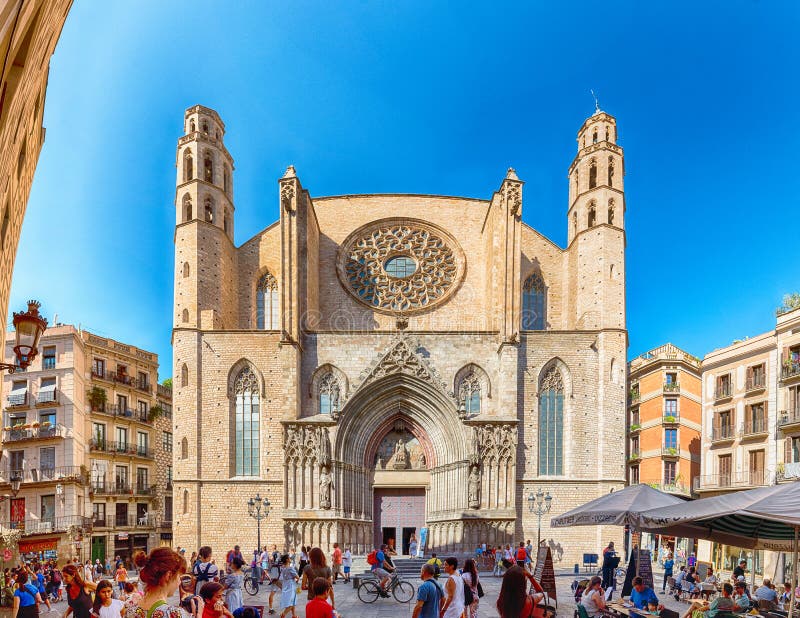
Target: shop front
x=40 y=549
x=125 y=545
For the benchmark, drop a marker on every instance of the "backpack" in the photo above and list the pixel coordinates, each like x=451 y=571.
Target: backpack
x=56 y=576
x=372 y=558
x=469 y=598
x=202 y=576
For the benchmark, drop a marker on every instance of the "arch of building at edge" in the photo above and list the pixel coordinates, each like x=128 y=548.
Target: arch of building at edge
x=365 y=415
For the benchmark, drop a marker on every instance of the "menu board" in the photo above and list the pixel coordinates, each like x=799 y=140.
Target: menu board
x=544 y=572
x=645 y=571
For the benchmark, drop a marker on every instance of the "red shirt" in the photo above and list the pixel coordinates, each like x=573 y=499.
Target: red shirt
x=337 y=556
x=318 y=608
x=521 y=553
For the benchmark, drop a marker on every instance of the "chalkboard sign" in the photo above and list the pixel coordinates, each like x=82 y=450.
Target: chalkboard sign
x=645 y=571
x=702 y=569
x=544 y=572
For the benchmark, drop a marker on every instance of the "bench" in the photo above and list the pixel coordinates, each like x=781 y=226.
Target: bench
x=589 y=562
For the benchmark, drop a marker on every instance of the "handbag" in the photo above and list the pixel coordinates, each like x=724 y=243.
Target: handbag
x=480 y=590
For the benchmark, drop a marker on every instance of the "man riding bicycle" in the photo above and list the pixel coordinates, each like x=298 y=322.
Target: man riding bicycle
x=382 y=569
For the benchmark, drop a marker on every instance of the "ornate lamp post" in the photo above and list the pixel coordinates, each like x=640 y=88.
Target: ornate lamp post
x=255 y=506
x=29 y=327
x=540 y=504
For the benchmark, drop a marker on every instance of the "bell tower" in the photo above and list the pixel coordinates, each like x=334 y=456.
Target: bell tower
x=596 y=224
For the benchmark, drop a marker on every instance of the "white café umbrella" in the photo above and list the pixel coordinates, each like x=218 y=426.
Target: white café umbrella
x=617 y=508
x=763 y=518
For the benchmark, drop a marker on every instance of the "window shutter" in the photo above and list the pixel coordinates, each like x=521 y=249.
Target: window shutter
x=787 y=450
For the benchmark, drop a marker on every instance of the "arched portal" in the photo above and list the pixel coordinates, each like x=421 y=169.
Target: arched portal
x=401 y=457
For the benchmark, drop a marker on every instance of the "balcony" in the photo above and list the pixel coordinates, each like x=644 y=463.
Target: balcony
x=18 y=400
x=122 y=412
x=127 y=520
x=755 y=383
x=734 y=480
x=671 y=418
x=120 y=448
x=635 y=456
x=789 y=420
x=754 y=428
x=672 y=387
x=672 y=488
x=45 y=475
x=27 y=432
x=100 y=487
x=48 y=362
x=634 y=396
x=143 y=489
x=722 y=433
x=47 y=398
x=120 y=378
x=790 y=370
x=670 y=452
x=634 y=428
x=164 y=391
x=49 y=525
x=723 y=391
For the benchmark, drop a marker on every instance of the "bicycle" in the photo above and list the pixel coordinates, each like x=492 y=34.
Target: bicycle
x=370 y=589
x=252 y=580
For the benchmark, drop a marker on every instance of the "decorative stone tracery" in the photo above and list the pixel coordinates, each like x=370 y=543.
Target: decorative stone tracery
x=438 y=265
x=492 y=466
x=307 y=450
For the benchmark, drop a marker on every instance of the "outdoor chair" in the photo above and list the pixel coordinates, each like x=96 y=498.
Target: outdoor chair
x=580 y=611
x=670 y=585
x=765 y=605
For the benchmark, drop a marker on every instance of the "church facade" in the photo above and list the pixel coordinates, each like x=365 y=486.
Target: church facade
x=376 y=365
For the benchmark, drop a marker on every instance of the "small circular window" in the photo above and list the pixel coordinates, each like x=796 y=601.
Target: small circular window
x=400 y=266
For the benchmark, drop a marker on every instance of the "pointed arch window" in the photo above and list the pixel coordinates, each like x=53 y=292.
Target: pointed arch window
x=611 y=212
x=209 y=211
x=610 y=171
x=186 y=269
x=187 y=208
x=551 y=424
x=469 y=392
x=267 y=303
x=534 y=303
x=574 y=223
x=246 y=424
x=208 y=169
x=592 y=174
x=329 y=395
x=188 y=166
x=192 y=126
x=184 y=448
x=184 y=376
x=594 y=137
x=591 y=218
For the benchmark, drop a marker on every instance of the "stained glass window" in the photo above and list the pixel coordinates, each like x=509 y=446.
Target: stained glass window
x=246 y=424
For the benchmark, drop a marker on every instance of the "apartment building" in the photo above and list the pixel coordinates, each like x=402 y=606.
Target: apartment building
x=751 y=426
x=664 y=419
x=86 y=433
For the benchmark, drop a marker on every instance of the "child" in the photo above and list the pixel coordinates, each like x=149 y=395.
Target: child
x=214 y=607
x=130 y=593
x=104 y=605
x=347 y=562
x=318 y=606
x=233 y=584
x=289 y=579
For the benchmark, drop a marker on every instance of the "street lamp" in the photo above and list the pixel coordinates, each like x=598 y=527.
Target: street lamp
x=254 y=509
x=29 y=327
x=540 y=504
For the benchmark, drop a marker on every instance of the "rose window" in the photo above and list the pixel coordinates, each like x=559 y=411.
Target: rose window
x=400 y=265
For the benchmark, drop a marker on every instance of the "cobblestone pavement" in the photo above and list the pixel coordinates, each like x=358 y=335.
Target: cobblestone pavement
x=349 y=606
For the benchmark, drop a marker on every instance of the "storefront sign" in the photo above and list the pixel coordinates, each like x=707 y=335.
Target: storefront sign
x=38 y=545
x=7 y=555
x=122 y=536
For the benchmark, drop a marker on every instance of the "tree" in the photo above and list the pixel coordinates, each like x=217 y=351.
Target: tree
x=790 y=303
x=167 y=382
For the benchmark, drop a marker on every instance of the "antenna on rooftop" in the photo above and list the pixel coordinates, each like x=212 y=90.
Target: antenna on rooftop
x=596 y=101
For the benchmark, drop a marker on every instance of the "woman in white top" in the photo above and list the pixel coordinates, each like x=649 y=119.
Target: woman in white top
x=592 y=600
x=470 y=576
x=453 y=602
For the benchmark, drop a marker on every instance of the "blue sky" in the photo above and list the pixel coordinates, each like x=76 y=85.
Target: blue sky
x=426 y=97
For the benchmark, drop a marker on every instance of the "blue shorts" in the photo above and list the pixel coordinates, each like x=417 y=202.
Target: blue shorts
x=347 y=569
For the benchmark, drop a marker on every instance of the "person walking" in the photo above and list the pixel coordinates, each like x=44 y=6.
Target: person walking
x=303 y=559
x=78 y=592
x=347 y=563
x=470 y=577
x=288 y=579
x=26 y=598
x=412 y=546
x=429 y=595
x=233 y=582
x=336 y=561
x=669 y=565
x=609 y=553
x=453 y=605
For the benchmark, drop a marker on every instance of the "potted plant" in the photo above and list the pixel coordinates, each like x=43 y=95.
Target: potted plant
x=635 y=426
x=154 y=413
x=46 y=424
x=35 y=425
x=669 y=418
x=672 y=450
x=97 y=397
